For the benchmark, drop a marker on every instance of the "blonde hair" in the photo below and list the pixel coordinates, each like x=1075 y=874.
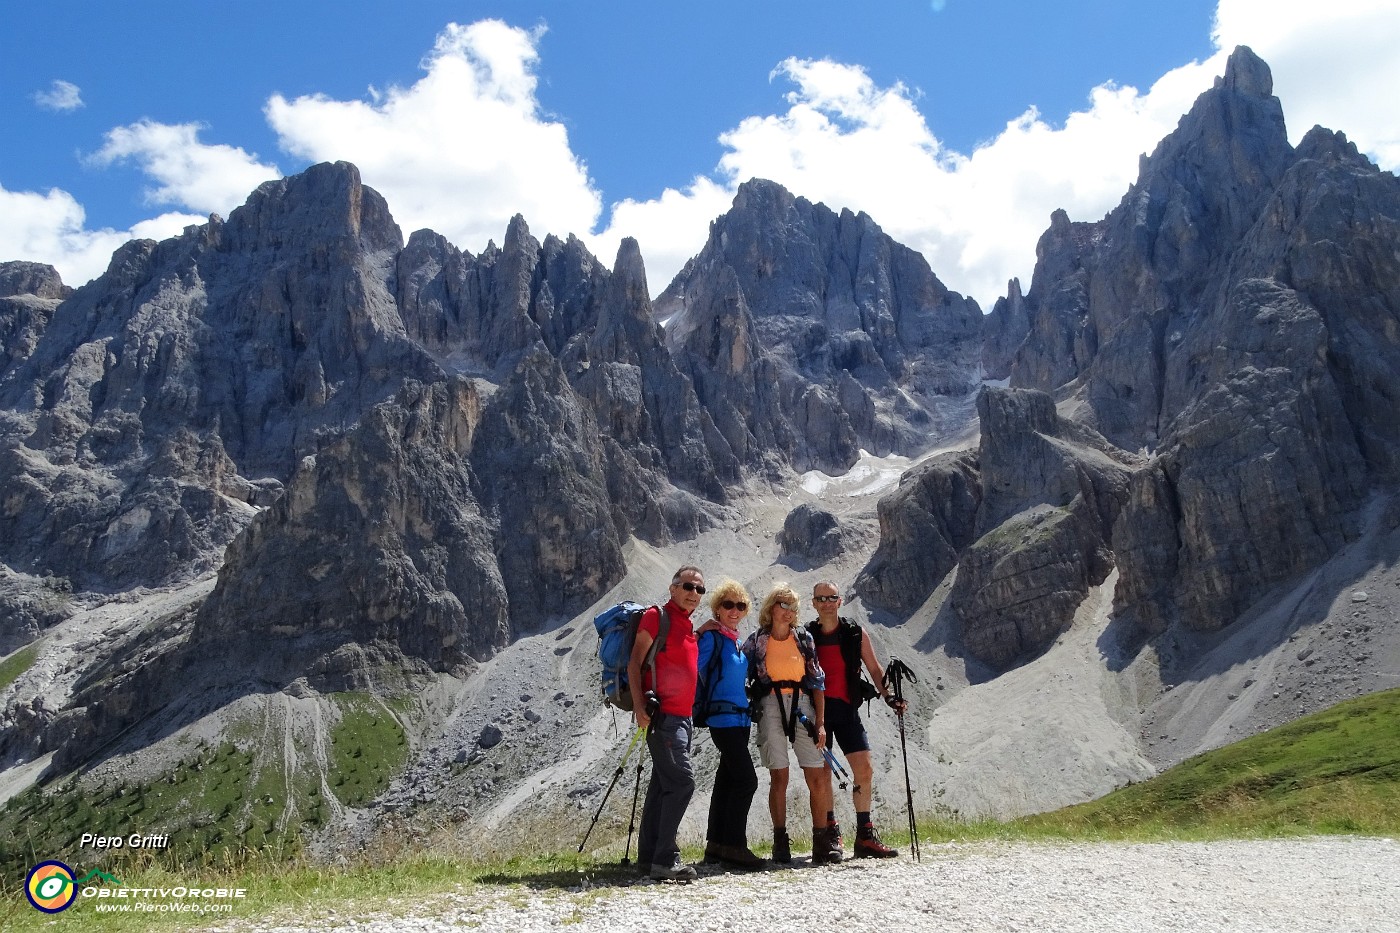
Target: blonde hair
x=781 y=592
x=729 y=589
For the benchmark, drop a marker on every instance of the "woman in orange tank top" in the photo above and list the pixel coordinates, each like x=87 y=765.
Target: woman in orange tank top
x=790 y=701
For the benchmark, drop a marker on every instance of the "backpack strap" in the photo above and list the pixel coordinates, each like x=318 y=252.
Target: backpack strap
x=707 y=679
x=789 y=716
x=658 y=644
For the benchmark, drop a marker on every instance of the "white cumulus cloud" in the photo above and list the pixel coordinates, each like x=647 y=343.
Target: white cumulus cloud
x=211 y=179
x=63 y=96
x=51 y=228
x=460 y=151
x=849 y=143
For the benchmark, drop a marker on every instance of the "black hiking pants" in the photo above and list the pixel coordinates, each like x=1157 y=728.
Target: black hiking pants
x=735 y=784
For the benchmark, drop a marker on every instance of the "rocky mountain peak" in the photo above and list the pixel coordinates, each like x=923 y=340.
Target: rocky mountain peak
x=1324 y=145
x=1247 y=73
x=1169 y=325
x=850 y=336
x=31 y=278
x=760 y=197
x=629 y=292
x=327 y=200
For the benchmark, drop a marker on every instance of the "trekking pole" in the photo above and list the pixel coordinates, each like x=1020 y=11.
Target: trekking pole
x=653 y=706
x=895 y=675
x=616 y=774
x=842 y=775
x=632 y=822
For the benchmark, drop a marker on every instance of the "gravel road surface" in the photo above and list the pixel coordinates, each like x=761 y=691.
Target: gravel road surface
x=1332 y=884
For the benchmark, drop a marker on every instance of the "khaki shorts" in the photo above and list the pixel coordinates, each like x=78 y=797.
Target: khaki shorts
x=773 y=741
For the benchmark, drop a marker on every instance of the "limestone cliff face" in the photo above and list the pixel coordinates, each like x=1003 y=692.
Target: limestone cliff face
x=379 y=543
x=924 y=526
x=479 y=315
x=1052 y=491
x=163 y=391
x=1236 y=317
x=1287 y=424
x=29 y=293
x=810 y=334
x=1106 y=296
x=1026 y=520
x=1224 y=348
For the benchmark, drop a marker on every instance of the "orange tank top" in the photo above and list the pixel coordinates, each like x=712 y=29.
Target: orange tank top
x=784 y=660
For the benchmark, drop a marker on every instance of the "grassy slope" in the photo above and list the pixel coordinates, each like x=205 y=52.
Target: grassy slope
x=223 y=806
x=16 y=664
x=1337 y=771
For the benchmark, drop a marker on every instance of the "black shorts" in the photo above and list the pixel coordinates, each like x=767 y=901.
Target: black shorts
x=843 y=726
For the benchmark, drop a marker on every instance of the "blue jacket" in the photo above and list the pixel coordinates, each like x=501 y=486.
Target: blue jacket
x=720 y=658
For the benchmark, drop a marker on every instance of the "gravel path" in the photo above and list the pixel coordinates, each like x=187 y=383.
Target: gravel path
x=1333 y=884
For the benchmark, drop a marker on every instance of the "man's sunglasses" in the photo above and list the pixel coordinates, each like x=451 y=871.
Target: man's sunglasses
x=826 y=599
x=691 y=587
x=731 y=604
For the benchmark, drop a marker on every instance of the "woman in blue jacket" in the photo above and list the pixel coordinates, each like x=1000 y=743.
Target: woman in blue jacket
x=722 y=704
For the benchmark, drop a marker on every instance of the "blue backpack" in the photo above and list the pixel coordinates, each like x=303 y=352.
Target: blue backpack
x=617 y=630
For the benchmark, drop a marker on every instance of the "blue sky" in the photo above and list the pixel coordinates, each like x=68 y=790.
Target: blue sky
x=959 y=125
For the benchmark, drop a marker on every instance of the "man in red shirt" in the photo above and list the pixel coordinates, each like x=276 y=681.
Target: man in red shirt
x=842 y=646
x=663 y=696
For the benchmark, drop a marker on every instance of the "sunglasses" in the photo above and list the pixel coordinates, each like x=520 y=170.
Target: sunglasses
x=826 y=599
x=731 y=604
x=691 y=587
x=788 y=606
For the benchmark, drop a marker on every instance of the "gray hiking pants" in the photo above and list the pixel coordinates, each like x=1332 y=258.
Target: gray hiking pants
x=669 y=791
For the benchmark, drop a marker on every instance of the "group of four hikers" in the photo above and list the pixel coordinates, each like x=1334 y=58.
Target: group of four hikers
x=803 y=687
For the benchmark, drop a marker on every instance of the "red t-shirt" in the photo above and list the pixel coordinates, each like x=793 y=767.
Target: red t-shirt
x=675 y=671
x=833 y=665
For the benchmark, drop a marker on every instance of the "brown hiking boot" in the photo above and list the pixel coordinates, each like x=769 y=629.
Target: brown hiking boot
x=826 y=846
x=741 y=857
x=868 y=845
x=782 y=849
x=714 y=853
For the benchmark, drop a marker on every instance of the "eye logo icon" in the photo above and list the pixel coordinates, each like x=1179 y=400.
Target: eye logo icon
x=50 y=887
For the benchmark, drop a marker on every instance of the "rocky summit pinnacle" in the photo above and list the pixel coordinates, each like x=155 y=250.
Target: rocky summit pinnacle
x=795 y=316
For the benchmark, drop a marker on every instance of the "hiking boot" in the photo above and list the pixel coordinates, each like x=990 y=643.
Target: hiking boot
x=714 y=853
x=836 y=839
x=826 y=846
x=741 y=857
x=676 y=871
x=782 y=849
x=868 y=845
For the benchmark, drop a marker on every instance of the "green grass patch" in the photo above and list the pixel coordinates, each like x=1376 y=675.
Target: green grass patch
x=17 y=663
x=368 y=749
x=1336 y=771
x=212 y=807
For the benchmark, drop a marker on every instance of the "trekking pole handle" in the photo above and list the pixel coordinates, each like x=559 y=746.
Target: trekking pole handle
x=895 y=675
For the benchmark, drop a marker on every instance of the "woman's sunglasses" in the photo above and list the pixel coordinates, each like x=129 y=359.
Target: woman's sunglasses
x=731 y=604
